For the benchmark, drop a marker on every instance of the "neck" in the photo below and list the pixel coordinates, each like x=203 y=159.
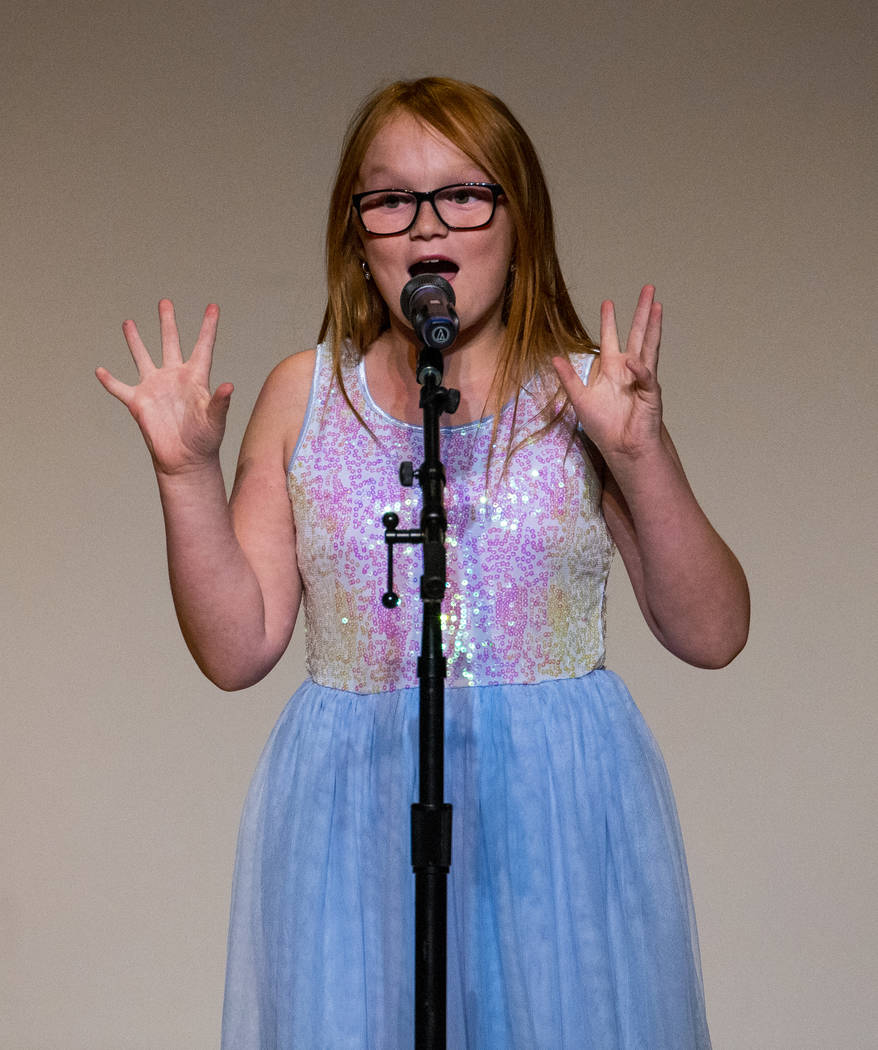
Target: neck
x=469 y=366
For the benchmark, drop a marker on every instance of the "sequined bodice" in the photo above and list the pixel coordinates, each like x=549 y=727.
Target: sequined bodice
x=528 y=549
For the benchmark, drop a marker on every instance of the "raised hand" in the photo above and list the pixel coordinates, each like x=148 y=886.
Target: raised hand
x=621 y=408
x=181 y=422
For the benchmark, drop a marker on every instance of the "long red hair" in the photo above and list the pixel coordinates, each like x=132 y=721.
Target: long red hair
x=541 y=321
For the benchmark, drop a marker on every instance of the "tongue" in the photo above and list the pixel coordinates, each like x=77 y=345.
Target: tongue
x=439 y=266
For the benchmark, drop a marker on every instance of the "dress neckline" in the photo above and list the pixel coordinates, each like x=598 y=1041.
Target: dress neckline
x=457 y=428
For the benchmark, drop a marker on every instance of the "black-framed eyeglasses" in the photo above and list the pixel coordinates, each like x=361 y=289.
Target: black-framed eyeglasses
x=461 y=206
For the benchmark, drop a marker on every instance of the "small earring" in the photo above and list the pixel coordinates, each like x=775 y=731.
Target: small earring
x=366 y=272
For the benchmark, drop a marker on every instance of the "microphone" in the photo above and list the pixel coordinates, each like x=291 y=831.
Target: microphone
x=428 y=303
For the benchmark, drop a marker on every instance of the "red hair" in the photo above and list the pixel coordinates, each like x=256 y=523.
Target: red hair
x=541 y=321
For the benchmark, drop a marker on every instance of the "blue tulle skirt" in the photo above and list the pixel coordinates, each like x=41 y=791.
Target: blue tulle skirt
x=570 y=918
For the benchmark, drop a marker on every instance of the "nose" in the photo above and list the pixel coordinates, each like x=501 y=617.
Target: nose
x=427 y=223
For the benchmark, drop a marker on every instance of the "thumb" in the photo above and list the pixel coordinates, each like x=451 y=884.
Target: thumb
x=218 y=408
x=570 y=380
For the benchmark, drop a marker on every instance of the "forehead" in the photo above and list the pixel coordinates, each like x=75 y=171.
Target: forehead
x=406 y=153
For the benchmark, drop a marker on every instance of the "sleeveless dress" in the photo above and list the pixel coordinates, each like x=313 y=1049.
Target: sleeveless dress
x=570 y=921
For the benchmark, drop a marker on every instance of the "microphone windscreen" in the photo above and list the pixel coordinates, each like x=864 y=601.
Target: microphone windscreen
x=424 y=280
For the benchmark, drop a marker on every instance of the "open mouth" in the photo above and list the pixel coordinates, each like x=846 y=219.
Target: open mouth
x=443 y=267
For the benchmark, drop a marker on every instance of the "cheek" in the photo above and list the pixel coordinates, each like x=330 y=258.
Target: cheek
x=494 y=261
x=380 y=258
x=386 y=281
x=497 y=251
x=381 y=267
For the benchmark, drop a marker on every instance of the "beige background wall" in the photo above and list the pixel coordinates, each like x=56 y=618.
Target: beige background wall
x=724 y=152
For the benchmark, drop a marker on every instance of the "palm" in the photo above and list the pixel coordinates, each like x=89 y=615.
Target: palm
x=620 y=408
x=181 y=422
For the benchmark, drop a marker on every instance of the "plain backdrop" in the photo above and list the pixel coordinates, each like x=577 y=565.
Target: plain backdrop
x=724 y=152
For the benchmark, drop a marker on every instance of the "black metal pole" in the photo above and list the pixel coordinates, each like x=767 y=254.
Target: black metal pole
x=431 y=815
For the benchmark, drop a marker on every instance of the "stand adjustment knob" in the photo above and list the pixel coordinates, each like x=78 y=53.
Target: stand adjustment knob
x=407 y=473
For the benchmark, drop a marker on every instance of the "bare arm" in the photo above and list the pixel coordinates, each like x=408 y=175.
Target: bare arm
x=232 y=564
x=689 y=585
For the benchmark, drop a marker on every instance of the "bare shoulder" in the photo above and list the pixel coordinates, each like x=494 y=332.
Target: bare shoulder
x=295 y=369
x=280 y=408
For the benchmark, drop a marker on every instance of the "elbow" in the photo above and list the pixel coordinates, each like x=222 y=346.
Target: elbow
x=724 y=630
x=232 y=664
x=711 y=640
x=230 y=675
x=720 y=647
x=718 y=658
x=231 y=684
x=232 y=678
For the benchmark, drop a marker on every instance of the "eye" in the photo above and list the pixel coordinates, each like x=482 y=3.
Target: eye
x=466 y=196
x=385 y=200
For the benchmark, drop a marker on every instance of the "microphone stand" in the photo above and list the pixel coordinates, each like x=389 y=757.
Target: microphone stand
x=431 y=815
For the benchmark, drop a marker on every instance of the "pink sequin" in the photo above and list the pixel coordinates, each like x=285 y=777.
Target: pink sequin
x=528 y=549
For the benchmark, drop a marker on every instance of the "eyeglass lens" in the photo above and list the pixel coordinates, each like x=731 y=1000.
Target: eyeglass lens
x=459 y=207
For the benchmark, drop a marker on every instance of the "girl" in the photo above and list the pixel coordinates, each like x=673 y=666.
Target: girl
x=570 y=916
